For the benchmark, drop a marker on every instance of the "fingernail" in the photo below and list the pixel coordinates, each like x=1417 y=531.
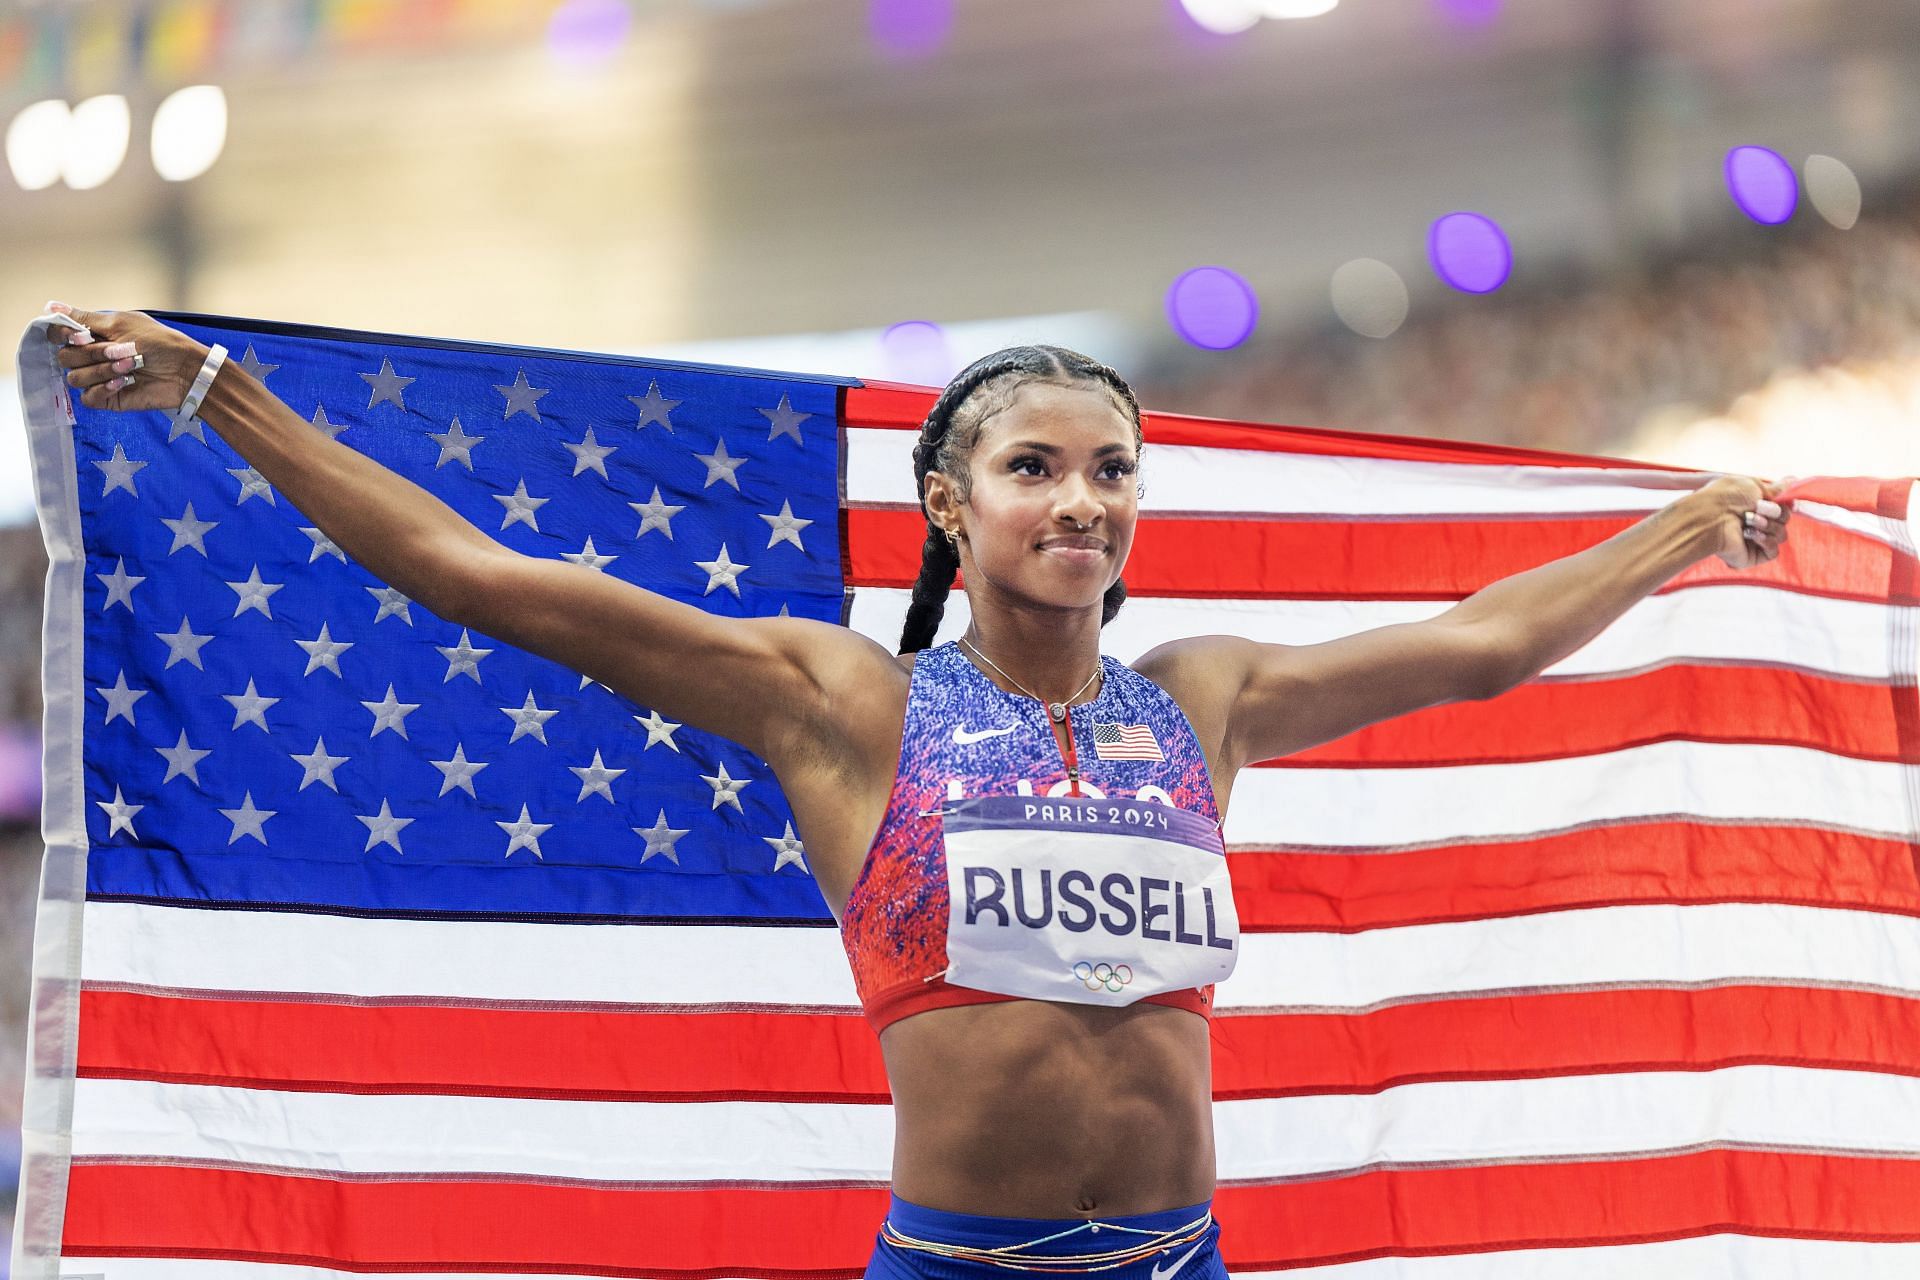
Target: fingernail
x=61 y=307
x=118 y=383
x=123 y=366
x=118 y=350
x=79 y=337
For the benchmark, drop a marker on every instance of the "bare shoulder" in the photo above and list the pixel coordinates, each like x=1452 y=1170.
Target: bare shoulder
x=1204 y=674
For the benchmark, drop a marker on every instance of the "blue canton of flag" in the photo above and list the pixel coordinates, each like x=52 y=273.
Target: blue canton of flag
x=277 y=727
x=1124 y=742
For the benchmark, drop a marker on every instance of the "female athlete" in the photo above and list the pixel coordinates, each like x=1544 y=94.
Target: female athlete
x=1039 y=965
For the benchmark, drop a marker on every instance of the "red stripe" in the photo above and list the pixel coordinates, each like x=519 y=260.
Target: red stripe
x=344 y=1046
x=900 y=407
x=528 y=1226
x=1251 y=557
x=1548 y=719
x=696 y=1057
x=1563 y=1033
x=1417 y=1212
x=1612 y=865
x=448 y=1224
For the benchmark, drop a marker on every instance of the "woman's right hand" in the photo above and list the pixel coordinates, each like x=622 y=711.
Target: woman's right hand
x=99 y=361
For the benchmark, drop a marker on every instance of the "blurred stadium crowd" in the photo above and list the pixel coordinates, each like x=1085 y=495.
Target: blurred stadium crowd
x=1575 y=363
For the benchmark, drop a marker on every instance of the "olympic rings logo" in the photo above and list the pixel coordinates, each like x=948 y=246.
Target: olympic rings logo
x=1103 y=976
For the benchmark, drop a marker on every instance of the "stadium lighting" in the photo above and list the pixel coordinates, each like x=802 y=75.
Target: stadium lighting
x=96 y=141
x=1834 y=190
x=189 y=132
x=36 y=141
x=1223 y=17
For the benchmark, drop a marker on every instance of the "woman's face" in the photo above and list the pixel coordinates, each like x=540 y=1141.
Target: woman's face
x=1056 y=455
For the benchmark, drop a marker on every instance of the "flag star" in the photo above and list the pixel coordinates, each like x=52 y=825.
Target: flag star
x=322 y=546
x=788 y=850
x=388 y=385
x=119 y=471
x=523 y=398
x=655 y=514
x=120 y=816
x=252 y=485
x=722 y=572
x=721 y=466
x=189 y=531
x=392 y=603
x=529 y=720
x=783 y=611
x=320 y=423
x=660 y=838
x=520 y=507
x=120 y=585
x=654 y=407
x=390 y=713
x=254 y=594
x=590 y=453
x=454 y=443
x=786 y=526
x=462 y=659
x=319 y=766
x=324 y=651
x=659 y=729
x=180 y=759
x=185 y=424
x=247 y=820
x=183 y=644
x=589 y=557
x=594 y=777
x=251 y=705
x=785 y=421
x=726 y=790
x=525 y=833
x=458 y=772
x=252 y=364
x=383 y=827
x=121 y=697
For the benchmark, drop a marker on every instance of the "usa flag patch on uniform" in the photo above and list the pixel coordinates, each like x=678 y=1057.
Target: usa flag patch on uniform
x=1124 y=742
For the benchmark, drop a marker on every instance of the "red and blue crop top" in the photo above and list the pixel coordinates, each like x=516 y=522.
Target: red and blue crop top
x=990 y=878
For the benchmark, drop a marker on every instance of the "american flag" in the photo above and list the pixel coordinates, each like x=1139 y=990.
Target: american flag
x=1124 y=742
x=368 y=944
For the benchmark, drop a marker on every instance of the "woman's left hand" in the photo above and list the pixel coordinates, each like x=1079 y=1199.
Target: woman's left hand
x=1746 y=540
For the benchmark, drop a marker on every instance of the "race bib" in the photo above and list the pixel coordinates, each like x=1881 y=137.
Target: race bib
x=1084 y=900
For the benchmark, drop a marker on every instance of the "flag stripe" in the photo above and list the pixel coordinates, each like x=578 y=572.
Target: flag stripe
x=1236 y=556
x=1610 y=946
x=317 y=1044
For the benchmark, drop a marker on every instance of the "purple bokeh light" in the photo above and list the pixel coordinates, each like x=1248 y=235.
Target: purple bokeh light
x=1470 y=252
x=917 y=351
x=910 y=28
x=1762 y=184
x=1211 y=307
x=1471 y=13
x=584 y=33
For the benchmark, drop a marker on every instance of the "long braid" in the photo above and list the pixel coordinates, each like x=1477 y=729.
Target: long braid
x=938 y=450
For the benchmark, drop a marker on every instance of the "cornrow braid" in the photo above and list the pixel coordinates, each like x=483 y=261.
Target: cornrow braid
x=947 y=439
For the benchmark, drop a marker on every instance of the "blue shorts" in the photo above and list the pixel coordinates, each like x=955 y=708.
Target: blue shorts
x=1172 y=1254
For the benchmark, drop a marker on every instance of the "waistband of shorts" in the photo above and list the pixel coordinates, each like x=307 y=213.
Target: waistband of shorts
x=982 y=1231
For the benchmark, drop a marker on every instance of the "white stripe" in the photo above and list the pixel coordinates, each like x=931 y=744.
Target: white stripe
x=1421 y=1124
x=1711 y=624
x=243 y=951
x=1743 y=782
x=1744 y=1257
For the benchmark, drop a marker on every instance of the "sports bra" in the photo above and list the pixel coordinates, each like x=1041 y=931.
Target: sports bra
x=989 y=879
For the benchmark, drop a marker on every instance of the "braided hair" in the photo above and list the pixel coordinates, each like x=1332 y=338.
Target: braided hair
x=947 y=439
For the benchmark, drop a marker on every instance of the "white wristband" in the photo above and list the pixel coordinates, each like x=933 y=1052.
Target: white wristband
x=202 y=384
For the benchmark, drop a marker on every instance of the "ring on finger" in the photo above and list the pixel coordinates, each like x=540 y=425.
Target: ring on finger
x=139 y=360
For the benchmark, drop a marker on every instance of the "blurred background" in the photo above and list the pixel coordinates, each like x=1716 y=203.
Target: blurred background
x=1683 y=231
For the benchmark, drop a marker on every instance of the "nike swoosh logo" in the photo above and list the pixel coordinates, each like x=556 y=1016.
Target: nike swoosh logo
x=1161 y=1272
x=964 y=736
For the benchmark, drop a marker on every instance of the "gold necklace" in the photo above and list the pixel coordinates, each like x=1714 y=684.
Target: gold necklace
x=1058 y=710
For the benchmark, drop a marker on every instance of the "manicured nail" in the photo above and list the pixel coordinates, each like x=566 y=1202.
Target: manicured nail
x=118 y=383
x=117 y=350
x=61 y=307
x=80 y=337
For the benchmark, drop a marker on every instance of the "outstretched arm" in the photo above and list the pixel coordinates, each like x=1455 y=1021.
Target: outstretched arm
x=1276 y=699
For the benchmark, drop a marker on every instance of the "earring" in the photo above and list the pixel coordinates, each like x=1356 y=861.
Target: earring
x=953 y=539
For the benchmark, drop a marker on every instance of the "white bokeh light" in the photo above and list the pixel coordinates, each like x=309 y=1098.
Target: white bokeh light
x=189 y=132
x=36 y=140
x=1370 y=297
x=1297 y=8
x=1223 y=17
x=96 y=142
x=1834 y=190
